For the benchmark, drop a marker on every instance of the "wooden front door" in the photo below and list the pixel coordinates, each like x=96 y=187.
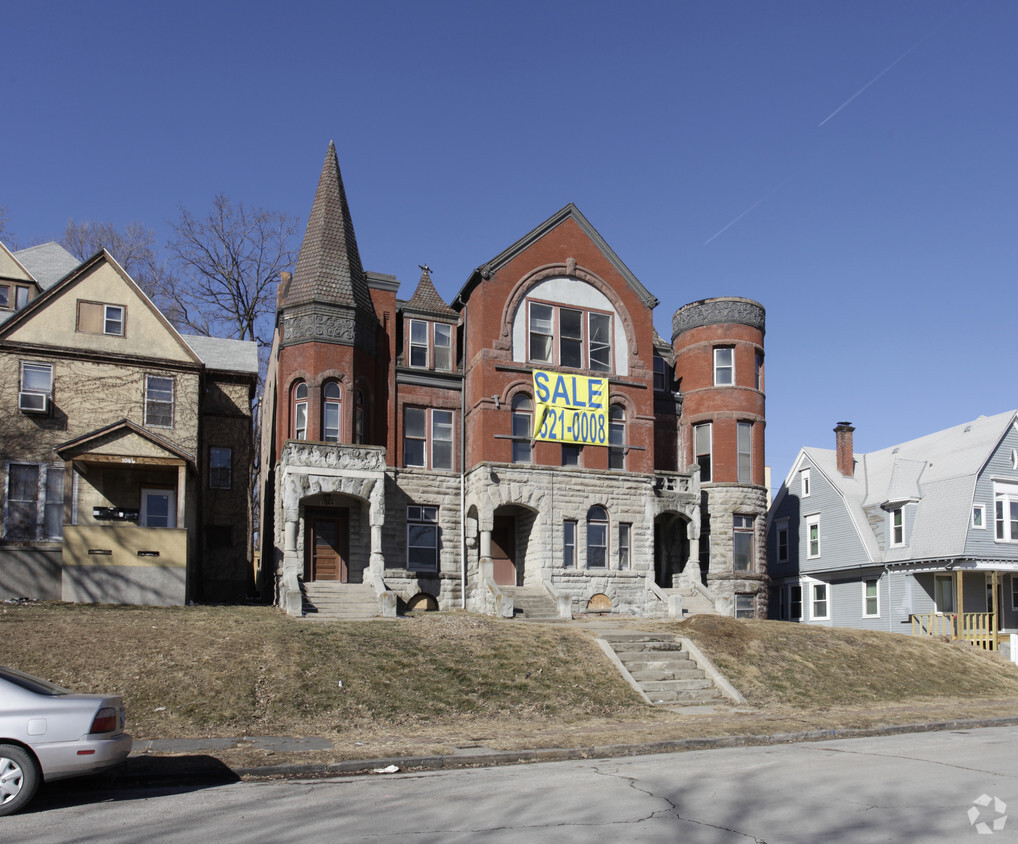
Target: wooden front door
x=328 y=546
x=503 y=550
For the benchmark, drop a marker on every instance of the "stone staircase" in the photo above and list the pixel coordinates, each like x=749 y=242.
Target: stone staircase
x=330 y=601
x=693 y=603
x=660 y=667
x=532 y=603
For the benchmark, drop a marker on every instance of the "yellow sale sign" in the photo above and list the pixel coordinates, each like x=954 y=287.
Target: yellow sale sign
x=570 y=408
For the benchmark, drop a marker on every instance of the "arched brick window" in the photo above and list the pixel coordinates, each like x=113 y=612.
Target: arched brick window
x=331 y=415
x=299 y=414
x=597 y=537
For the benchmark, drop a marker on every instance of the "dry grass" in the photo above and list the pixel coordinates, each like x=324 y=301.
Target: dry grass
x=435 y=682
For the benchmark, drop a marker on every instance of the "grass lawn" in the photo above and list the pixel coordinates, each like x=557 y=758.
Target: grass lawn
x=434 y=681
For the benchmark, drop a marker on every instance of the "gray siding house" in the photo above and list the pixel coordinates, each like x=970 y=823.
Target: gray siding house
x=921 y=537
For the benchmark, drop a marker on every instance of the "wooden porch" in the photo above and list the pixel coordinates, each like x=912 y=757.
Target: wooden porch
x=981 y=629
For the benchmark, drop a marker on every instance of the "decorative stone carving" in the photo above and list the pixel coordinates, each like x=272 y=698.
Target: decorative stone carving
x=332 y=456
x=719 y=311
x=328 y=324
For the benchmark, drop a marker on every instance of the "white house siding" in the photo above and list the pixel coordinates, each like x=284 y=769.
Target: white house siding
x=982 y=543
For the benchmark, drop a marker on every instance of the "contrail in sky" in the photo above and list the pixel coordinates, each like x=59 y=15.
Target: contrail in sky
x=840 y=108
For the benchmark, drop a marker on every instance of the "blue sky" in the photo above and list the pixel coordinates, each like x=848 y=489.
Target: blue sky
x=852 y=166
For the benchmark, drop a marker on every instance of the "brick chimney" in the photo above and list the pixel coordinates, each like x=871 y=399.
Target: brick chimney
x=846 y=462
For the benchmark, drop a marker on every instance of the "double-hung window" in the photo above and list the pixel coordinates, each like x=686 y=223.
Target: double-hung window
x=35 y=502
x=616 y=437
x=782 y=529
x=36 y=393
x=220 y=467
x=1005 y=506
x=897 y=526
x=625 y=545
x=744 y=605
x=569 y=543
x=331 y=416
x=422 y=538
x=522 y=428
x=943 y=593
x=702 y=445
x=443 y=346
x=813 y=536
x=871 y=597
x=584 y=337
x=158 y=401
x=418 y=423
x=430 y=345
x=724 y=366
x=745 y=446
x=597 y=537
x=660 y=374
x=742 y=543
x=300 y=411
x=819 y=609
x=419 y=343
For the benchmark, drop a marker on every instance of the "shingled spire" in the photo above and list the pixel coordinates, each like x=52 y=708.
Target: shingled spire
x=426 y=299
x=329 y=265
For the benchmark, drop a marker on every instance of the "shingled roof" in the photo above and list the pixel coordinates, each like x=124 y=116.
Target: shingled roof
x=329 y=265
x=427 y=301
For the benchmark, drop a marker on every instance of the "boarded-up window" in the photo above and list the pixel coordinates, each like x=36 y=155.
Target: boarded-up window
x=97 y=318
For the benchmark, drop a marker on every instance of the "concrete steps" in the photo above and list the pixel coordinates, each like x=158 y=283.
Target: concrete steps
x=330 y=601
x=532 y=603
x=693 y=603
x=662 y=669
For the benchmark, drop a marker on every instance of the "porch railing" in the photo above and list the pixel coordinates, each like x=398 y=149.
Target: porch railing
x=975 y=627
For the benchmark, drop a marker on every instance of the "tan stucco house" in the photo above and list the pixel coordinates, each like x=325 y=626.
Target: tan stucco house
x=125 y=446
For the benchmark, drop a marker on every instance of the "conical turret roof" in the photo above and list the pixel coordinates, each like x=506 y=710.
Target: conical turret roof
x=426 y=299
x=329 y=265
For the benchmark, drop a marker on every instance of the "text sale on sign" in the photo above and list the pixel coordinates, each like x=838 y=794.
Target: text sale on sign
x=570 y=408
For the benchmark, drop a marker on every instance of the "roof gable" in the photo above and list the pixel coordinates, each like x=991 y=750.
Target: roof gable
x=572 y=213
x=12 y=268
x=51 y=319
x=123 y=439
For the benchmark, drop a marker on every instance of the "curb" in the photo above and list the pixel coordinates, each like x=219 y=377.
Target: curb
x=210 y=769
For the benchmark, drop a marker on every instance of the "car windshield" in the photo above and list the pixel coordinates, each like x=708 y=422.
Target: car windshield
x=32 y=684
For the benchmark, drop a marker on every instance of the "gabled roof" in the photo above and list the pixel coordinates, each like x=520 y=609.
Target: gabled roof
x=12 y=268
x=569 y=212
x=938 y=471
x=427 y=301
x=47 y=262
x=329 y=265
x=40 y=302
x=87 y=443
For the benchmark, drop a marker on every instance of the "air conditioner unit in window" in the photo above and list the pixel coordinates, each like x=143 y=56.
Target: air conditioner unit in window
x=33 y=402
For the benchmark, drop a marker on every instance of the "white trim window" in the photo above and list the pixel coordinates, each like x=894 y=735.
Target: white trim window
x=158 y=401
x=742 y=543
x=745 y=449
x=418 y=343
x=584 y=336
x=332 y=396
x=300 y=411
x=1005 y=508
x=36 y=387
x=813 y=536
x=158 y=508
x=897 y=526
x=522 y=428
x=979 y=517
x=804 y=485
x=416 y=428
x=616 y=437
x=443 y=346
x=871 y=597
x=703 y=445
x=744 y=605
x=820 y=605
x=724 y=366
x=422 y=538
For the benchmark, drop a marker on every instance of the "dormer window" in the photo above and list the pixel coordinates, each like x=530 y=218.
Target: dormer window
x=430 y=345
x=584 y=337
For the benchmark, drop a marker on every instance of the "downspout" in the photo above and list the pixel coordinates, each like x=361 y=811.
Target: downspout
x=890 y=602
x=463 y=467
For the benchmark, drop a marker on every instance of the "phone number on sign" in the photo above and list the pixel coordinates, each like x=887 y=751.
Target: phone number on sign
x=580 y=426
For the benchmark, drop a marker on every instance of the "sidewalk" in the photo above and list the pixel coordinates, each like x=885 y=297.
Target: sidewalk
x=194 y=761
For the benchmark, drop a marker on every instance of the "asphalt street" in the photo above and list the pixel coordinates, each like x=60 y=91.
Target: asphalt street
x=928 y=787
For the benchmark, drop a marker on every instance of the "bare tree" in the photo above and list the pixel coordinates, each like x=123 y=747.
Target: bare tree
x=228 y=265
x=6 y=236
x=133 y=248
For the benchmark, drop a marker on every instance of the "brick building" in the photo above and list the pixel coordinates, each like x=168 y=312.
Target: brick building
x=416 y=452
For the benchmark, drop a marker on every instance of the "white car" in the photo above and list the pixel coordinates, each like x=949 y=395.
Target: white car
x=48 y=733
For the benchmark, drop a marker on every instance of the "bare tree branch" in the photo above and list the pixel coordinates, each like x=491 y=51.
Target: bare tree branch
x=6 y=235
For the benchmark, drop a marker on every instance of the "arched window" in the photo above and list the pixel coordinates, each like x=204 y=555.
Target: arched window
x=522 y=428
x=360 y=424
x=616 y=437
x=300 y=411
x=330 y=412
x=597 y=537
